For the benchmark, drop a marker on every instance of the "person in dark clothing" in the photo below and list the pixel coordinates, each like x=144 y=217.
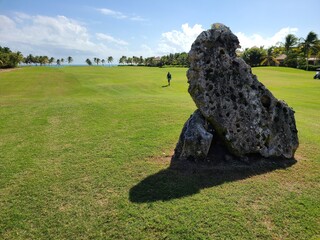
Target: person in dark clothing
x=169 y=78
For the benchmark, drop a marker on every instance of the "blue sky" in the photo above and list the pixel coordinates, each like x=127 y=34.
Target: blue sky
x=86 y=29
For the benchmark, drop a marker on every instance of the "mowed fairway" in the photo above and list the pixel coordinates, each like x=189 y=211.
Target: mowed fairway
x=84 y=153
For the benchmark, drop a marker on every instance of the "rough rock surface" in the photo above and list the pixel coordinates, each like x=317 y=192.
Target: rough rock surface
x=246 y=116
x=195 y=139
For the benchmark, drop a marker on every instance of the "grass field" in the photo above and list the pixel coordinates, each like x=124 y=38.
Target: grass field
x=84 y=153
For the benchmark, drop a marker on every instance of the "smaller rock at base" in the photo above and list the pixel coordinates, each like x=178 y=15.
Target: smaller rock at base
x=195 y=139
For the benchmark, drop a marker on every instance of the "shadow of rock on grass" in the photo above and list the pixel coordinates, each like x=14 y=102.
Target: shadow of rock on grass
x=176 y=182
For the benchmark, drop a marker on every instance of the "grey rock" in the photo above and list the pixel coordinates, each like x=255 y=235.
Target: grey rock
x=245 y=115
x=195 y=139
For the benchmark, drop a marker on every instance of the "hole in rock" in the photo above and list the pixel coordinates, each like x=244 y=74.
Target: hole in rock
x=266 y=101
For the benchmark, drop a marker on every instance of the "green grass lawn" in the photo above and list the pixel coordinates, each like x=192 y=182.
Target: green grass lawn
x=84 y=154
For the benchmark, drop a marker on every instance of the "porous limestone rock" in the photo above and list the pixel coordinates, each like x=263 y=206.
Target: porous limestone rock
x=246 y=116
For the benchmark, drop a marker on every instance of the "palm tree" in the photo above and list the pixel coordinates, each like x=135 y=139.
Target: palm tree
x=123 y=60
x=103 y=61
x=95 y=60
x=51 y=60
x=88 y=61
x=98 y=61
x=110 y=60
x=141 y=60
x=62 y=60
x=269 y=58
x=19 y=57
x=290 y=42
x=129 y=60
x=309 y=44
x=58 y=62
x=70 y=59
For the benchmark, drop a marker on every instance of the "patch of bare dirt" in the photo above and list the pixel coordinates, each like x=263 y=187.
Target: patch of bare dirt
x=8 y=69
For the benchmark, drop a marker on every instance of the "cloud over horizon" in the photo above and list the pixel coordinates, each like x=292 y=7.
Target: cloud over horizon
x=53 y=36
x=258 y=41
x=60 y=36
x=179 y=40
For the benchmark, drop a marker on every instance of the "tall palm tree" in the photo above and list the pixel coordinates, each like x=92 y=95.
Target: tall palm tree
x=70 y=59
x=269 y=59
x=123 y=60
x=58 y=62
x=88 y=61
x=309 y=44
x=98 y=61
x=290 y=41
x=95 y=60
x=62 y=60
x=103 y=61
x=51 y=60
x=110 y=60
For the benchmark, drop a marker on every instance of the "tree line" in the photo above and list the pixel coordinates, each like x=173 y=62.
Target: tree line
x=303 y=53
x=98 y=60
x=176 y=59
x=293 y=52
x=9 y=59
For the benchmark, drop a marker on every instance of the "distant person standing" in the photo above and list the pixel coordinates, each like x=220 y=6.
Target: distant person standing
x=169 y=78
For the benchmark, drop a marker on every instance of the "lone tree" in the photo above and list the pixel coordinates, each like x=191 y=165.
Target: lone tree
x=88 y=61
x=290 y=42
x=110 y=60
x=70 y=59
x=309 y=44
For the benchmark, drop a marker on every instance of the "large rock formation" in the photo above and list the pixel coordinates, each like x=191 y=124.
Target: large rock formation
x=245 y=115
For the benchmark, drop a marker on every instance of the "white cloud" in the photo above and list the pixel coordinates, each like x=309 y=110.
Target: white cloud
x=112 y=13
x=53 y=36
x=179 y=40
x=110 y=39
x=119 y=15
x=258 y=40
x=43 y=31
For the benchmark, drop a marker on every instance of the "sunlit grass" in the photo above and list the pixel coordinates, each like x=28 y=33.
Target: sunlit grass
x=84 y=153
